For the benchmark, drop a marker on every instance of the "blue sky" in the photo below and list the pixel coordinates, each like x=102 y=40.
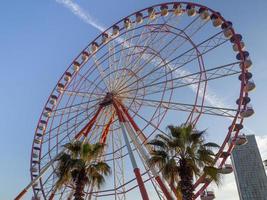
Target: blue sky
x=40 y=38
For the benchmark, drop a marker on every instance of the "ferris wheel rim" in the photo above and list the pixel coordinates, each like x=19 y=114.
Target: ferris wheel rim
x=242 y=91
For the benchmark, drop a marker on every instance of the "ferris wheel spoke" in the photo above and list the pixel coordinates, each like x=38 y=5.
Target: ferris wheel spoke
x=62 y=109
x=125 y=44
x=69 y=131
x=141 y=49
x=147 y=56
x=209 y=110
x=83 y=94
x=148 y=41
x=175 y=67
x=118 y=167
x=50 y=150
x=140 y=40
x=49 y=183
x=68 y=111
x=182 y=42
x=91 y=83
x=145 y=40
x=53 y=149
x=72 y=117
x=189 y=79
x=112 y=61
x=95 y=135
x=101 y=71
x=148 y=122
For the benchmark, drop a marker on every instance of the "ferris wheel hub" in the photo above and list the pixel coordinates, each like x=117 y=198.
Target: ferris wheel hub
x=108 y=99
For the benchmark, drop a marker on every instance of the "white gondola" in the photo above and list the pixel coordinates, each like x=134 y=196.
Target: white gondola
x=151 y=13
x=67 y=76
x=47 y=112
x=177 y=9
x=250 y=86
x=226 y=169
x=127 y=23
x=207 y=195
x=241 y=140
x=42 y=125
x=245 y=100
x=247 y=64
x=191 y=11
x=35 y=155
x=85 y=56
x=76 y=66
x=37 y=141
x=60 y=87
x=237 y=127
x=139 y=18
x=247 y=75
x=115 y=31
x=94 y=47
x=204 y=14
x=34 y=169
x=35 y=162
x=228 y=33
x=37 y=148
x=242 y=46
x=247 y=112
x=53 y=99
x=39 y=135
x=216 y=21
x=105 y=38
x=164 y=10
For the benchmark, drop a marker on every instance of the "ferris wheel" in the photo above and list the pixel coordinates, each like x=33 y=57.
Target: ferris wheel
x=152 y=68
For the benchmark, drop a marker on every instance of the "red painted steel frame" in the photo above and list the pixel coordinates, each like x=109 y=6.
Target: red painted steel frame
x=106 y=130
x=90 y=124
x=137 y=129
x=136 y=170
x=235 y=120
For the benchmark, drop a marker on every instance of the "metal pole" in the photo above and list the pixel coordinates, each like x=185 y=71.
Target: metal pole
x=133 y=161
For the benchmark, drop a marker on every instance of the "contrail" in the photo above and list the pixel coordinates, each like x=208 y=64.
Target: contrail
x=210 y=95
x=83 y=15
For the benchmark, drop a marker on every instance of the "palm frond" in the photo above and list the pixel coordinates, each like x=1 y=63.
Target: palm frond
x=170 y=171
x=72 y=166
x=197 y=136
x=103 y=168
x=158 y=158
x=158 y=143
x=213 y=174
x=97 y=149
x=211 y=144
x=74 y=148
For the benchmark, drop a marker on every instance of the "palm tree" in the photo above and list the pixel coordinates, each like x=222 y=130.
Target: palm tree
x=181 y=155
x=79 y=166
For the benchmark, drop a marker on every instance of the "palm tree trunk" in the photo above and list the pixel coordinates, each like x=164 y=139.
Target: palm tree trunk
x=186 y=183
x=79 y=186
